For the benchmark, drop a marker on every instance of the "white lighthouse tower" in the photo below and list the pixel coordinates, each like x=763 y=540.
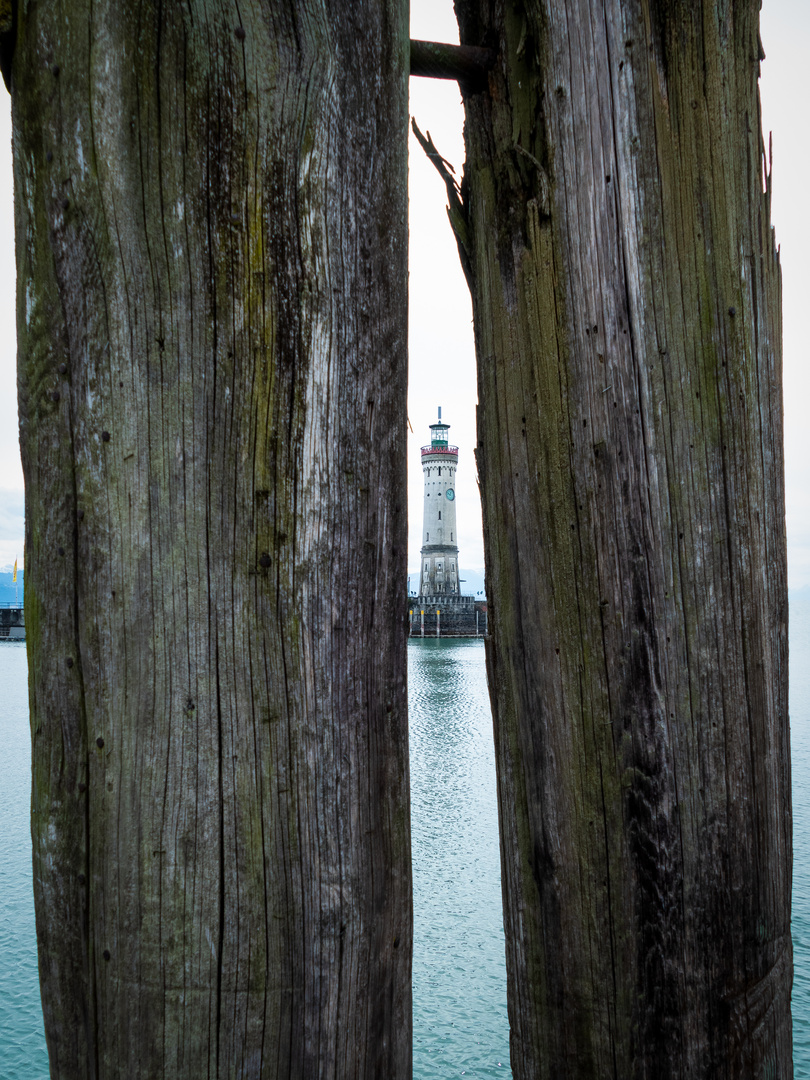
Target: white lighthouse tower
x=439 y=573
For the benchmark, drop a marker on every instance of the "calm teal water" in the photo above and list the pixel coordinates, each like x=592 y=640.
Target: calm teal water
x=800 y=754
x=459 y=974
x=22 y=1040
x=460 y=1025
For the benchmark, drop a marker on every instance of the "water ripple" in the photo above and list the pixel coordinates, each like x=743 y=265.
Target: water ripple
x=22 y=1038
x=459 y=976
x=800 y=757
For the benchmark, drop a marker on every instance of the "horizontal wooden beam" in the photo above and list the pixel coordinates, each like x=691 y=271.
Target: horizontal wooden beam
x=468 y=64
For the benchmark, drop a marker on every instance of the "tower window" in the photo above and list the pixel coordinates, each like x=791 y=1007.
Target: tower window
x=451 y=538
x=428 y=538
x=440 y=515
x=440 y=470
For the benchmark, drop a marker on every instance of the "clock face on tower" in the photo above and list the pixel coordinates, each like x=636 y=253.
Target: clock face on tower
x=451 y=494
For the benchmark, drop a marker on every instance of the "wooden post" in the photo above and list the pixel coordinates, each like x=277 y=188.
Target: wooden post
x=615 y=221
x=466 y=64
x=211 y=213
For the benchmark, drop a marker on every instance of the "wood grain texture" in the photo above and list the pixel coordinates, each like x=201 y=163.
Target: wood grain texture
x=626 y=295
x=212 y=259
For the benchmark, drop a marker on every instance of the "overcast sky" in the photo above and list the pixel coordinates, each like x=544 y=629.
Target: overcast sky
x=442 y=361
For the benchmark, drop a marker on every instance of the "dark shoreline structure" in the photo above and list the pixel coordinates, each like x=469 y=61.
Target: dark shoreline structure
x=12 y=624
x=447 y=616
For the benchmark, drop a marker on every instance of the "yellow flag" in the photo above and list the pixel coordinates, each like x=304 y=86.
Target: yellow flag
x=14 y=575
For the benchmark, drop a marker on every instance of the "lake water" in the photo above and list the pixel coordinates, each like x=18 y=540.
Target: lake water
x=22 y=1041
x=800 y=755
x=460 y=1025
